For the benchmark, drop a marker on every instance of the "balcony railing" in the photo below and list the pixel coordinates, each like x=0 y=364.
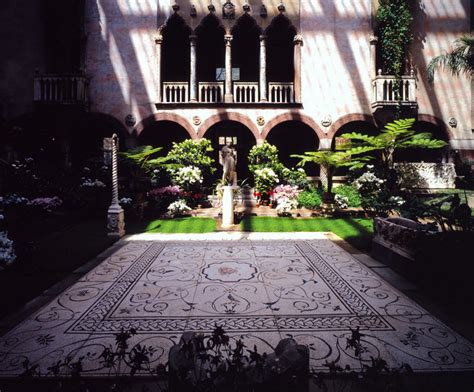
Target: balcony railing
x=281 y=92
x=213 y=92
x=175 y=92
x=245 y=92
x=385 y=92
x=60 y=89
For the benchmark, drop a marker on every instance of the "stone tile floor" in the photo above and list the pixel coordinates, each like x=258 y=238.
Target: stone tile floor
x=261 y=286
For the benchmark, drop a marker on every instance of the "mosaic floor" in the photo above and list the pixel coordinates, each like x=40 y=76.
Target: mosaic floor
x=261 y=289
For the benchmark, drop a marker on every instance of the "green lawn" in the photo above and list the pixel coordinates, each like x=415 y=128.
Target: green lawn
x=356 y=231
x=178 y=225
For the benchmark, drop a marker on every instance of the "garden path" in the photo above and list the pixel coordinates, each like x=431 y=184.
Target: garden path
x=262 y=286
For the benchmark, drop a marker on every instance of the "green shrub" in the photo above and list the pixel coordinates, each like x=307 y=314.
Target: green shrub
x=352 y=194
x=310 y=199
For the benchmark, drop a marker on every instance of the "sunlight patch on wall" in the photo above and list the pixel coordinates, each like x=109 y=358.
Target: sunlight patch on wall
x=352 y=8
x=144 y=48
x=445 y=9
x=119 y=68
x=102 y=21
x=137 y=7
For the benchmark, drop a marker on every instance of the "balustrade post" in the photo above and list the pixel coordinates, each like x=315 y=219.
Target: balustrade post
x=379 y=87
x=373 y=57
x=158 y=42
x=193 y=93
x=263 y=69
x=298 y=43
x=412 y=86
x=228 y=96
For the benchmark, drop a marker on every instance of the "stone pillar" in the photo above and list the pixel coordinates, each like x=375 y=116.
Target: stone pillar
x=193 y=92
x=115 y=215
x=298 y=43
x=228 y=206
x=158 y=42
x=228 y=96
x=263 y=69
x=373 y=57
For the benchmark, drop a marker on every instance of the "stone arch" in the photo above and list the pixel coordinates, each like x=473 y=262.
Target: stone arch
x=166 y=116
x=231 y=116
x=293 y=116
x=429 y=118
x=347 y=119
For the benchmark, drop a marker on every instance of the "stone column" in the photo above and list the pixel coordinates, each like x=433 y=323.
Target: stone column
x=228 y=96
x=115 y=214
x=298 y=43
x=263 y=69
x=373 y=57
x=158 y=42
x=193 y=92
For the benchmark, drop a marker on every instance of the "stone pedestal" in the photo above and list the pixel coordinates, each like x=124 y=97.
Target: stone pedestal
x=228 y=206
x=115 y=221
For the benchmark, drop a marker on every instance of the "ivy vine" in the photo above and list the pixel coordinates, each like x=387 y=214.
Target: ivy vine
x=395 y=20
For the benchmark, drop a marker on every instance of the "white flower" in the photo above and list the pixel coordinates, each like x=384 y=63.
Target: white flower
x=188 y=175
x=178 y=208
x=285 y=205
x=396 y=200
x=88 y=183
x=341 y=201
x=7 y=254
x=125 y=201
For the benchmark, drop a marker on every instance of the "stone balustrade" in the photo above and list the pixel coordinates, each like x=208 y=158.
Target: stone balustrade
x=281 y=92
x=245 y=92
x=61 y=89
x=385 y=92
x=242 y=92
x=211 y=92
x=175 y=92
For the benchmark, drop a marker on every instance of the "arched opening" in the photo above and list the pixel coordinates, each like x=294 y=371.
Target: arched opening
x=358 y=126
x=294 y=137
x=280 y=50
x=242 y=141
x=246 y=48
x=210 y=48
x=162 y=134
x=437 y=155
x=175 y=65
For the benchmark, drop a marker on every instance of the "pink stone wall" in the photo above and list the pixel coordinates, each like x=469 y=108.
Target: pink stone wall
x=336 y=83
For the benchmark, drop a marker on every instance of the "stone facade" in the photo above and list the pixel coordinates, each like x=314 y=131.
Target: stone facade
x=334 y=67
x=424 y=175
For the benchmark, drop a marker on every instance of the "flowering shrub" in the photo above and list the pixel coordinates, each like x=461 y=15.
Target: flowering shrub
x=7 y=254
x=350 y=192
x=165 y=191
x=47 y=204
x=341 y=201
x=13 y=200
x=285 y=205
x=187 y=177
x=265 y=180
x=375 y=195
x=89 y=183
x=310 y=199
x=285 y=192
x=295 y=177
x=126 y=201
x=178 y=208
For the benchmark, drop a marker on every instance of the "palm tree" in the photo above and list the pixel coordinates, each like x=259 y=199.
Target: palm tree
x=458 y=61
x=328 y=160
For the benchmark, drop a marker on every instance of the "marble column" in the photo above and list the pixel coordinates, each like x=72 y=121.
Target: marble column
x=115 y=214
x=373 y=57
x=228 y=96
x=193 y=92
x=158 y=42
x=263 y=69
x=298 y=43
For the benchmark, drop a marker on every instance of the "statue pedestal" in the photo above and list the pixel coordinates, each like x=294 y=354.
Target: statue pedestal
x=228 y=206
x=115 y=221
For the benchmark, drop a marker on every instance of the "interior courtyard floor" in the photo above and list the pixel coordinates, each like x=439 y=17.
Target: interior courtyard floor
x=259 y=286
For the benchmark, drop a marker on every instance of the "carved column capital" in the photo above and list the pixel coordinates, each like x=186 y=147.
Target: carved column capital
x=298 y=40
x=263 y=38
x=374 y=39
x=193 y=39
x=228 y=39
x=158 y=39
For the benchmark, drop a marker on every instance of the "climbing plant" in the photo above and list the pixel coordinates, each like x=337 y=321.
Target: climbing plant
x=395 y=35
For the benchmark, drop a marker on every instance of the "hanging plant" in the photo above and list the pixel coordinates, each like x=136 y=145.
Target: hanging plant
x=395 y=20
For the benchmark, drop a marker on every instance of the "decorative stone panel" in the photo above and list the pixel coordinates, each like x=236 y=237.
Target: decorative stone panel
x=426 y=175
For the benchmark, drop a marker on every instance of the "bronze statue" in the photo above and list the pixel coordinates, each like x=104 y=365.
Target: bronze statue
x=228 y=160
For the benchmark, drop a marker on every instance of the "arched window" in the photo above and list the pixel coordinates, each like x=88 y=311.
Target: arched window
x=280 y=50
x=210 y=48
x=246 y=48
